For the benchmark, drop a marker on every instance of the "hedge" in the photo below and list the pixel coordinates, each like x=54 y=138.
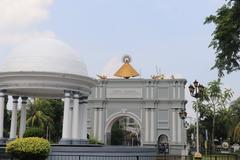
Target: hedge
x=34 y=132
x=32 y=148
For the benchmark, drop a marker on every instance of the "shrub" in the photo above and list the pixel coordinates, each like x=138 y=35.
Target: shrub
x=32 y=148
x=34 y=132
x=93 y=140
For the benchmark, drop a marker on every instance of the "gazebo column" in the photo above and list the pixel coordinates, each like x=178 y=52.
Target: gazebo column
x=75 y=122
x=66 y=137
x=23 y=117
x=1 y=116
x=13 y=130
x=83 y=125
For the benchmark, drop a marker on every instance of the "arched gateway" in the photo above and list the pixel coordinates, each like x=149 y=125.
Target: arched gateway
x=154 y=104
x=129 y=124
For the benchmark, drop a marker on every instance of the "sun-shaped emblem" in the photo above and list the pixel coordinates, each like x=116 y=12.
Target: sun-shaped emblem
x=126 y=59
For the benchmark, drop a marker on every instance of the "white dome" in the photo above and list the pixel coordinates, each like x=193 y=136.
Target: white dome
x=44 y=55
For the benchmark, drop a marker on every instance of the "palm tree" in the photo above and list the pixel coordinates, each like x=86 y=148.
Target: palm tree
x=37 y=116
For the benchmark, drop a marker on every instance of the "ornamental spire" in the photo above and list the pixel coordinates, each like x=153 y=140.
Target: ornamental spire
x=126 y=70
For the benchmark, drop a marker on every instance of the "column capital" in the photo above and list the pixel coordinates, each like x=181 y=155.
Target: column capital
x=149 y=108
x=67 y=94
x=83 y=102
x=24 y=100
x=83 y=97
x=15 y=99
x=2 y=93
x=76 y=95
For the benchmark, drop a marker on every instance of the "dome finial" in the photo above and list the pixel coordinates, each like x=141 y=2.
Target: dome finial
x=126 y=59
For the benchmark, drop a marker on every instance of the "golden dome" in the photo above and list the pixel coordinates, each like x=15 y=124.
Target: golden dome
x=126 y=70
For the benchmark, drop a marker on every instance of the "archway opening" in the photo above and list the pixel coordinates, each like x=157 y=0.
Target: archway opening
x=125 y=131
x=163 y=145
x=162 y=139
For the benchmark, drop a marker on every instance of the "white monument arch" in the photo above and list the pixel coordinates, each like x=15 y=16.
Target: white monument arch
x=153 y=103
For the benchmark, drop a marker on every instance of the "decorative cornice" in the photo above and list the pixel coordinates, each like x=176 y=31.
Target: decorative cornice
x=18 y=82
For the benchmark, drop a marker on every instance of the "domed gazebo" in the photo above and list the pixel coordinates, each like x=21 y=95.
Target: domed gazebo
x=47 y=68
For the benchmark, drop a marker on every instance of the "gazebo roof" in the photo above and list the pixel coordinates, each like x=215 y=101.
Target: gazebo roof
x=44 y=68
x=44 y=55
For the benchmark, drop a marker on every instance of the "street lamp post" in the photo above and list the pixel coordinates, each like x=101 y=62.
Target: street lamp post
x=196 y=90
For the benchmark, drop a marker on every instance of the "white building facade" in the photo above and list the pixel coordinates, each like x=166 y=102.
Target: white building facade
x=154 y=104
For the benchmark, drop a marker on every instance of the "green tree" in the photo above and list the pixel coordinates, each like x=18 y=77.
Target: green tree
x=36 y=116
x=46 y=114
x=191 y=131
x=226 y=37
x=7 y=118
x=56 y=113
x=214 y=101
x=235 y=118
x=117 y=134
x=217 y=99
x=223 y=124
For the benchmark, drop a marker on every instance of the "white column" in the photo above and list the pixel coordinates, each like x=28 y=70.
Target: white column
x=66 y=127
x=95 y=112
x=100 y=124
x=83 y=129
x=23 y=117
x=13 y=130
x=152 y=125
x=146 y=126
x=179 y=129
x=80 y=118
x=70 y=119
x=75 y=123
x=1 y=114
x=173 y=126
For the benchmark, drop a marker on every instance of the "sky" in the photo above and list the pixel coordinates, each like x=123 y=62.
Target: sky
x=168 y=35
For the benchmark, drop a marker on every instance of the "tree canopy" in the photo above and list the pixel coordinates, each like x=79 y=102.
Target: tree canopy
x=212 y=106
x=46 y=114
x=235 y=110
x=226 y=37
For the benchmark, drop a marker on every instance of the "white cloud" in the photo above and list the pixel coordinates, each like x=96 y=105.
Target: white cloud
x=22 y=13
x=19 y=17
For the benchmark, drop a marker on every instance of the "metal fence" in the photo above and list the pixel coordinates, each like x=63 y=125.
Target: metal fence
x=123 y=157
x=221 y=157
x=106 y=157
x=110 y=157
